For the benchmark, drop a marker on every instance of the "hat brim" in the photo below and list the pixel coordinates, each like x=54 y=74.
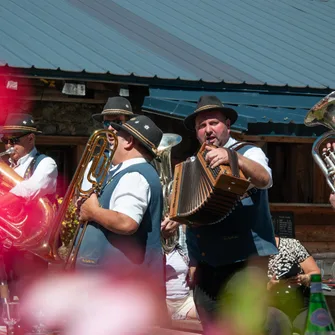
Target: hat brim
x=11 y=130
x=230 y=114
x=117 y=126
x=99 y=117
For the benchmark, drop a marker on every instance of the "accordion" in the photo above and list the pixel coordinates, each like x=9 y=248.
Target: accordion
x=202 y=195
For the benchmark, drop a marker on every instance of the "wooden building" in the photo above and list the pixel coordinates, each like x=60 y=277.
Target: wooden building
x=271 y=77
x=299 y=196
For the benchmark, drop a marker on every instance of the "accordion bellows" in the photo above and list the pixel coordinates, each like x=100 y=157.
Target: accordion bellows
x=203 y=196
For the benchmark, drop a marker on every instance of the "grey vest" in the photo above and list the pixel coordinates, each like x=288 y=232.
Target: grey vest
x=247 y=231
x=141 y=251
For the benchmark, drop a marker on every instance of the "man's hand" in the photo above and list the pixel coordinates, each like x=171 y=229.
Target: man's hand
x=330 y=146
x=169 y=227
x=88 y=208
x=216 y=156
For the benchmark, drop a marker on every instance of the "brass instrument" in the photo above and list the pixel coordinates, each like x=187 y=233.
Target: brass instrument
x=38 y=231
x=164 y=169
x=323 y=113
x=24 y=226
x=7 y=152
x=98 y=151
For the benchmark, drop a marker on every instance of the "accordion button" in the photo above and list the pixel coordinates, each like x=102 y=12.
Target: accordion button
x=203 y=254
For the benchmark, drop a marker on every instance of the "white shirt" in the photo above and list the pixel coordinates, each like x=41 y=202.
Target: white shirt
x=256 y=154
x=42 y=182
x=131 y=195
x=86 y=185
x=176 y=276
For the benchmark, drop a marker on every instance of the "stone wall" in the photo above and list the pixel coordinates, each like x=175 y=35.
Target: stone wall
x=66 y=119
x=75 y=119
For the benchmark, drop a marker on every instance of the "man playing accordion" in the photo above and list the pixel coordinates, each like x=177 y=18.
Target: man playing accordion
x=222 y=252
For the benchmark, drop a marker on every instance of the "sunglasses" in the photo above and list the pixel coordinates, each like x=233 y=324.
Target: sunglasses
x=108 y=123
x=12 y=140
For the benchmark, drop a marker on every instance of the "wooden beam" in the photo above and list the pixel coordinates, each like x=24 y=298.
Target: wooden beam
x=274 y=139
x=316 y=247
x=315 y=233
x=301 y=208
x=61 y=140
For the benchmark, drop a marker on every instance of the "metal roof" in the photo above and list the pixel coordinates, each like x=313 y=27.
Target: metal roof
x=252 y=41
x=258 y=113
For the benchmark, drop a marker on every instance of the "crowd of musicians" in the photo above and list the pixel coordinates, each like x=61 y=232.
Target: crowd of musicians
x=198 y=271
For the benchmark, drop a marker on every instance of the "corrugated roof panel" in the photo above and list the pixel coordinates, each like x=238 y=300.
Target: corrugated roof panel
x=260 y=38
x=74 y=41
x=241 y=98
x=252 y=41
x=255 y=120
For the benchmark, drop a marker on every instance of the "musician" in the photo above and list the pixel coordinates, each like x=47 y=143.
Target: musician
x=220 y=252
x=40 y=179
x=123 y=233
x=117 y=109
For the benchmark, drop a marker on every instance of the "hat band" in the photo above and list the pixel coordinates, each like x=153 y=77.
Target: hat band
x=106 y=111
x=208 y=107
x=19 y=128
x=144 y=139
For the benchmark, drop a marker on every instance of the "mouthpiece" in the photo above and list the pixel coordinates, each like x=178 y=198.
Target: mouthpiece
x=7 y=152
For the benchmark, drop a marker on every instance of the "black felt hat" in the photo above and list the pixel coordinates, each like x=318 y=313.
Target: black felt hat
x=19 y=123
x=144 y=130
x=115 y=106
x=207 y=103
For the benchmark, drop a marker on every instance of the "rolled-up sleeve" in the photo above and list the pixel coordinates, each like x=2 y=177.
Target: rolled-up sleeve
x=131 y=196
x=42 y=182
x=257 y=154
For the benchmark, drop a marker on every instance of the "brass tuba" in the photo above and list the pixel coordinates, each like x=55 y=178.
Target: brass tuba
x=23 y=226
x=164 y=169
x=323 y=113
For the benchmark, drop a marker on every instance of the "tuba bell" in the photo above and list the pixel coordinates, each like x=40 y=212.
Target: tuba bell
x=163 y=166
x=23 y=226
x=323 y=113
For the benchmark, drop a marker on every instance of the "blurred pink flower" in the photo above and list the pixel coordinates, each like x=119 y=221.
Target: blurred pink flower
x=92 y=304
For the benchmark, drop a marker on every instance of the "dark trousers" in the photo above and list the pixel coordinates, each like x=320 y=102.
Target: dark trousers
x=216 y=290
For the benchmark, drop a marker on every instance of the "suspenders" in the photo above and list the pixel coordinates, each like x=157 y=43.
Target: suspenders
x=32 y=166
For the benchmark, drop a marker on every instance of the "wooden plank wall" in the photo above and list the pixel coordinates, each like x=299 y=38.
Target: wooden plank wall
x=314 y=225
x=297 y=179
x=300 y=187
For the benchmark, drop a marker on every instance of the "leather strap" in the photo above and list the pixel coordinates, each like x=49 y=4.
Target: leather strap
x=233 y=162
x=238 y=145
